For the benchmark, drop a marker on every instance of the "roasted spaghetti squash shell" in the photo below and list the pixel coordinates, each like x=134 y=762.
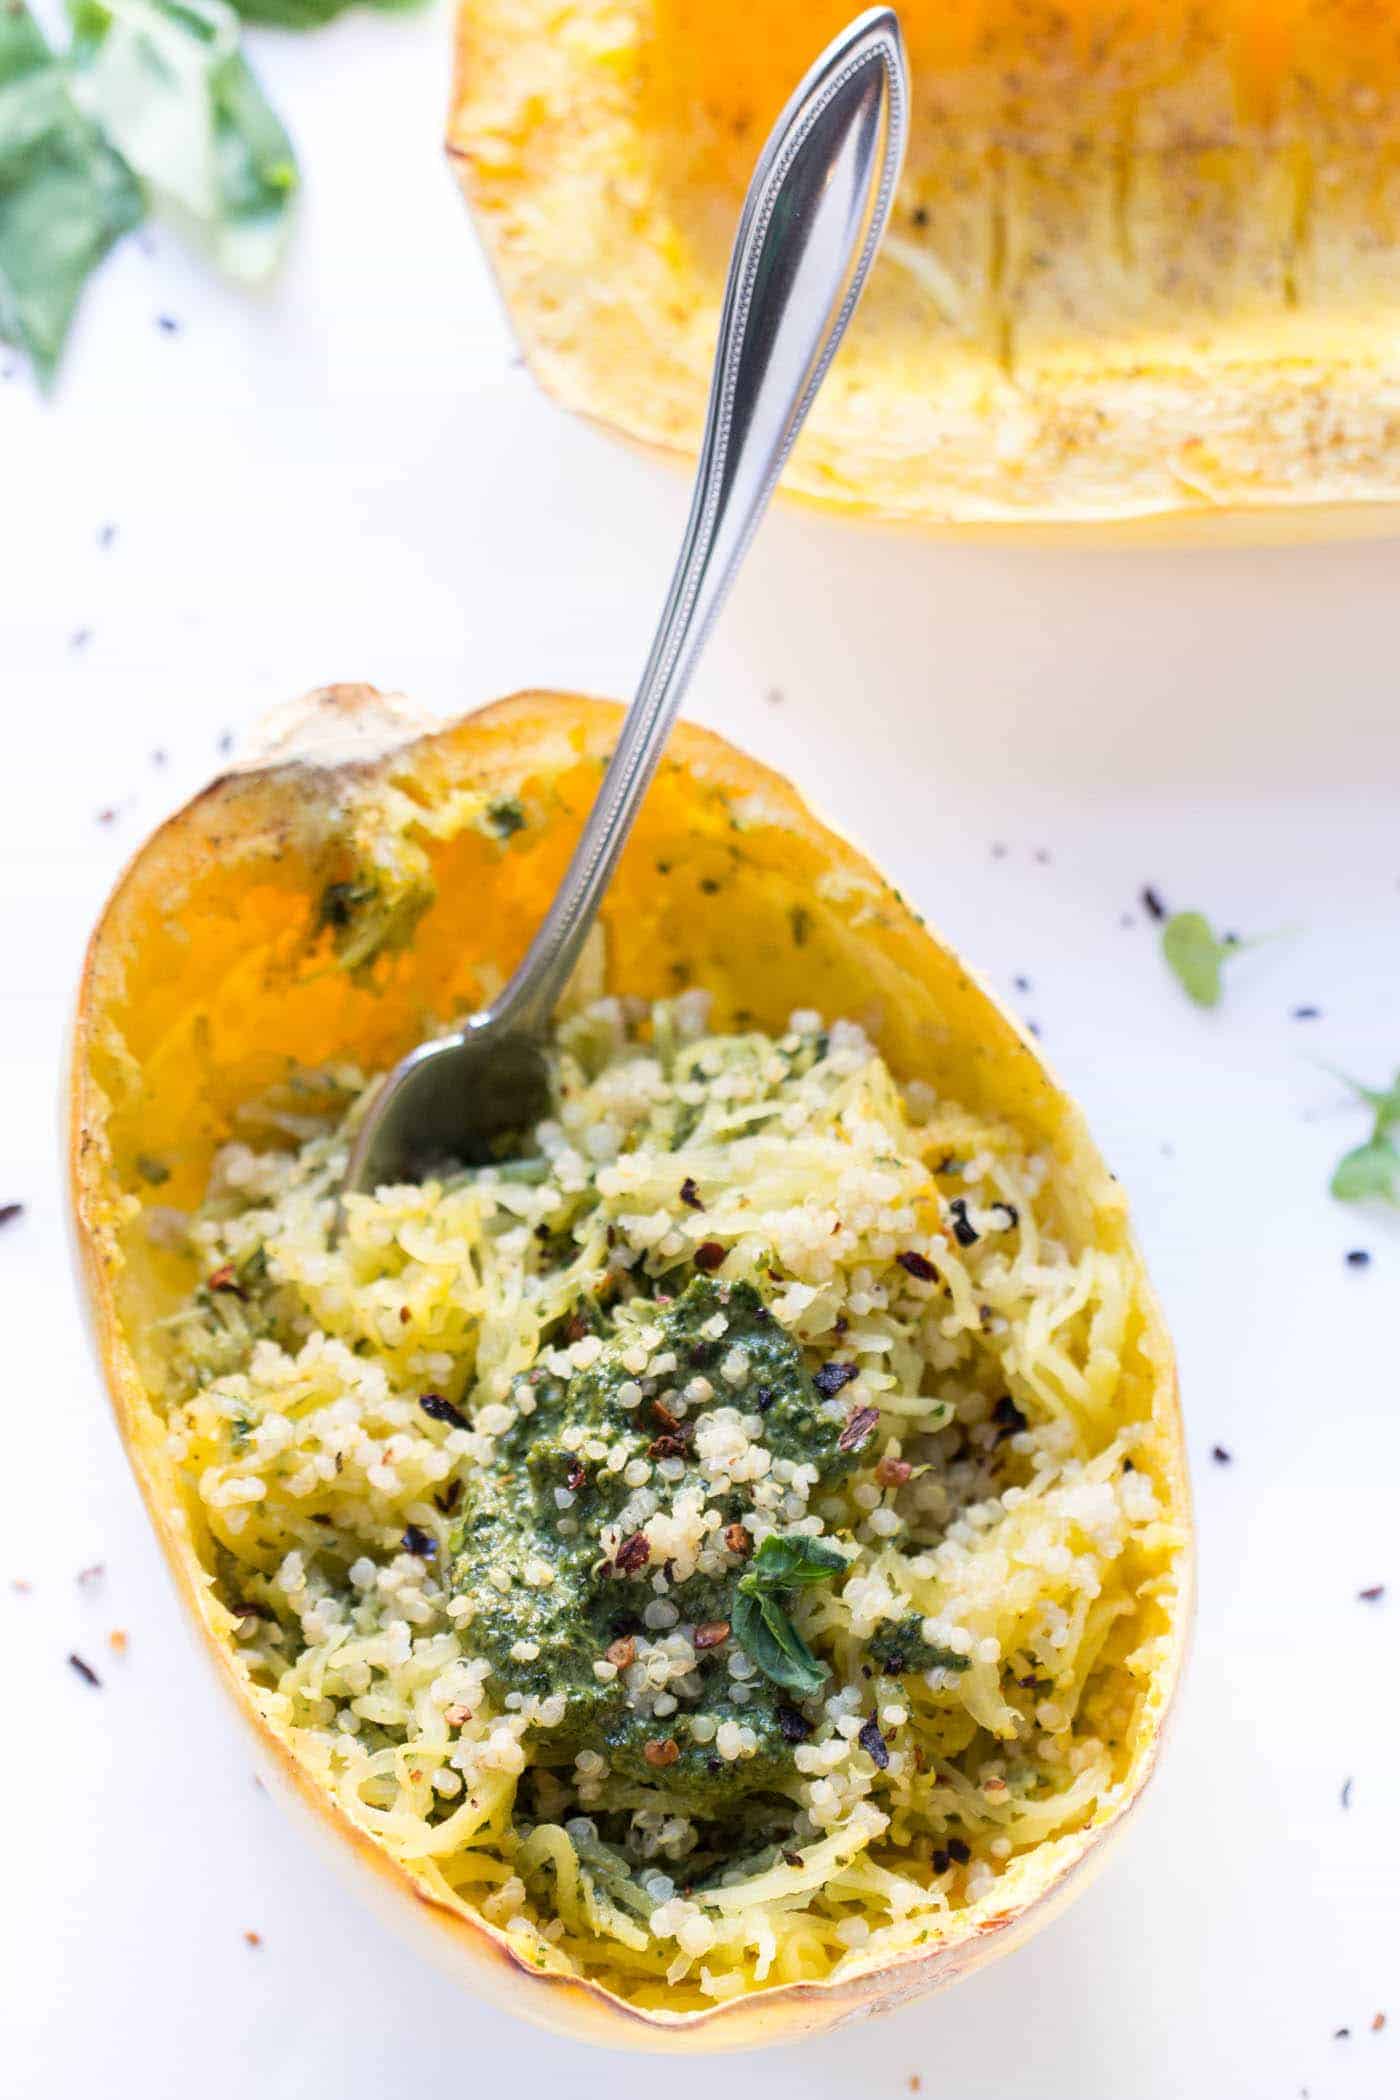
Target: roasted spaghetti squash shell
x=206 y=974
x=1142 y=272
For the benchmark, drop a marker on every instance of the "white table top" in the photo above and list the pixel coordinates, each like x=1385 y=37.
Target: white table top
x=353 y=478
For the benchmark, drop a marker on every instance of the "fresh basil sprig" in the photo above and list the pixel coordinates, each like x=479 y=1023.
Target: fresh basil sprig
x=1372 y=1169
x=762 y=1625
x=169 y=85
x=65 y=196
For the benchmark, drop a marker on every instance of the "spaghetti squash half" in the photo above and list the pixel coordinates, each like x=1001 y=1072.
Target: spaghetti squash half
x=1144 y=259
x=723 y=1564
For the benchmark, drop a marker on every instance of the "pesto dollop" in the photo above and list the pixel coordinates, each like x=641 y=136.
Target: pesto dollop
x=602 y=1547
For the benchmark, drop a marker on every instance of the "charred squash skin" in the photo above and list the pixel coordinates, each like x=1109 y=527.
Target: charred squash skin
x=214 y=962
x=1142 y=272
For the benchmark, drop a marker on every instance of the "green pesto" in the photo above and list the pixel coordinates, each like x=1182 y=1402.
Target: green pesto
x=368 y=917
x=901 y=1648
x=510 y=1516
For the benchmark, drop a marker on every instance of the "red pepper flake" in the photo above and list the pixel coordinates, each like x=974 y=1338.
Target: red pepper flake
x=915 y=1264
x=893 y=1472
x=621 y=1653
x=457 y=1716
x=1372 y=1594
x=661 y=1413
x=576 y=1477
x=830 y=1379
x=576 y=1327
x=439 y=1410
x=21 y=1585
x=708 y=1256
x=1377 y=2022
x=916 y=2084
x=84 y=1670
x=224 y=1279
x=711 y=1634
x=633 y=1553
x=690 y=1194
x=670 y=1446
x=873 y=1743
x=737 y=1539
x=661 y=1750
x=253 y=1939
x=9 y=1212
x=858 y=1428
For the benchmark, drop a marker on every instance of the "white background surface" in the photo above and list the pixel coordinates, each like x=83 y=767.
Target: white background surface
x=352 y=478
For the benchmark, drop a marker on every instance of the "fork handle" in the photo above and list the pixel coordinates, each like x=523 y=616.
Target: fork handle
x=812 y=220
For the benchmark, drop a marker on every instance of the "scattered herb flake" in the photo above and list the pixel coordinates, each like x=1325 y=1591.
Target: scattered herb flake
x=1196 y=955
x=1346 y=1793
x=1372 y=1594
x=965 y=1233
x=690 y=1194
x=1358 y=1258
x=1372 y=1169
x=84 y=1670
x=915 y=1264
x=1221 y=1456
x=418 y=1542
x=88 y=1578
x=9 y=1212
x=1151 y=902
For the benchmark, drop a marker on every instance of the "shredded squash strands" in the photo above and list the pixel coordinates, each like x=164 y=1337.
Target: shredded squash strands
x=998 y=1515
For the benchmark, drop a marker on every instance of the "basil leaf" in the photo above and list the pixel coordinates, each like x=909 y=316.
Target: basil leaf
x=310 y=14
x=1195 y=956
x=65 y=196
x=1370 y=1170
x=169 y=86
x=793 y=1561
x=768 y=1637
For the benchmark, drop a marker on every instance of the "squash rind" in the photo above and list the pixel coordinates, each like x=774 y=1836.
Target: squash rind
x=1154 y=279
x=278 y=823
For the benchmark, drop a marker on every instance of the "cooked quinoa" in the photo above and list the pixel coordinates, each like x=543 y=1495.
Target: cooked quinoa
x=708 y=1545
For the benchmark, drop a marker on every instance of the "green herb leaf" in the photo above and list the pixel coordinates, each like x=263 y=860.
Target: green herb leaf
x=791 y=1562
x=1384 y=1100
x=768 y=1637
x=169 y=86
x=310 y=14
x=1369 y=1170
x=1195 y=955
x=65 y=196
